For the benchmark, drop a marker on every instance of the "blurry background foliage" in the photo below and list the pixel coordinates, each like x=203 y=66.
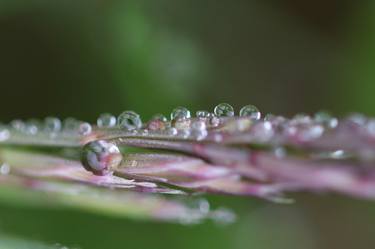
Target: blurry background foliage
x=81 y=58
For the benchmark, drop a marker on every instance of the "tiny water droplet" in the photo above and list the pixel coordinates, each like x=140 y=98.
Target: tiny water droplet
x=32 y=127
x=106 y=120
x=202 y=114
x=17 y=125
x=84 y=129
x=224 y=110
x=160 y=117
x=100 y=157
x=70 y=125
x=198 y=129
x=263 y=131
x=172 y=131
x=4 y=133
x=129 y=120
x=4 y=169
x=326 y=119
x=180 y=113
x=250 y=111
x=52 y=124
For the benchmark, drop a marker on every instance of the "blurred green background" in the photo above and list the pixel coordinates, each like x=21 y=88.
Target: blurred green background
x=81 y=58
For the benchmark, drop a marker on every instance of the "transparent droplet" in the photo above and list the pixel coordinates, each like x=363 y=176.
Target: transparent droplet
x=180 y=113
x=52 y=124
x=250 y=111
x=263 y=131
x=326 y=119
x=301 y=118
x=185 y=133
x=84 y=129
x=214 y=121
x=198 y=130
x=370 y=127
x=4 y=168
x=17 y=125
x=100 y=157
x=160 y=117
x=129 y=120
x=224 y=110
x=172 y=131
x=4 y=133
x=32 y=127
x=70 y=125
x=106 y=120
x=202 y=114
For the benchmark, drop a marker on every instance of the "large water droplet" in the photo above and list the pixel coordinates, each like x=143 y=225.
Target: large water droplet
x=100 y=157
x=224 y=110
x=129 y=120
x=106 y=120
x=84 y=129
x=250 y=111
x=180 y=113
x=52 y=124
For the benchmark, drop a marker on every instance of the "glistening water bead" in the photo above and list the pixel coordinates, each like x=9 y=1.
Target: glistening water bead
x=180 y=113
x=129 y=120
x=250 y=111
x=224 y=110
x=106 y=120
x=100 y=157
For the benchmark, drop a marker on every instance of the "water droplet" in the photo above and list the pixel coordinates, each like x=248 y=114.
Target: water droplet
x=32 y=127
x=106 y=120
x=370 y=127
x=52 y=124
x=84 y=129
x=129 y=120
x=263 y=131
x=18 y=125
x=181 y=124
x=70 y=125
x=185 y=133
x=180 y=113
x=326 y=119
x=224 y=110
x=198 y=129
x=4 y=133
x=279 y=152
x=172 y=131
x=100 y=157
x=160 y=117
x=202 y=114
x=250 y=111
x=4 y=169
x=214 y=121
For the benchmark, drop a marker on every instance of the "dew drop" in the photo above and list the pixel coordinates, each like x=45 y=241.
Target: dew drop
x=198 y=129
x=52 y=124
x=100 y=157
x=32 y=127
x=129 y=120
x=17 y=125
x=202 y=114
x=106 y=120
x=4 y=133
x=160 y=117
x=224 y=110
x=250 y=111
x=84 y=129
x=4 y=169
x=180 y=113
x=326 y=119
x=172 y=131
x=70 y=125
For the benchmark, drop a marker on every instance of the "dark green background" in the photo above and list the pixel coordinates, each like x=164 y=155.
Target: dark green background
x=82 y=58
